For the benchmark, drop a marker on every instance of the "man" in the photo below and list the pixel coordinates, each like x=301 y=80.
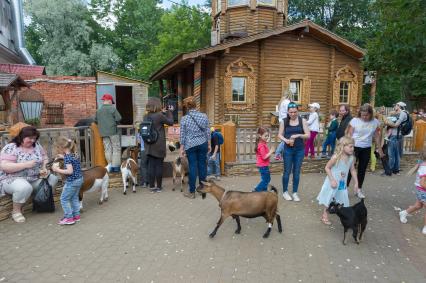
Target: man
x=345 y=118
x=213 y=164
x=107 y=118
x=395 y=138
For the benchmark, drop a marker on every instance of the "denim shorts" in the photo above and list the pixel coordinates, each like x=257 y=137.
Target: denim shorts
x=421 y=195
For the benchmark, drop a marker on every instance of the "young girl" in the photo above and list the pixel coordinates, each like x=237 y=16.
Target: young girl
x=69 y=197
x=420 y=184
x=262 y=159
x=337 y=169
x=313 y=123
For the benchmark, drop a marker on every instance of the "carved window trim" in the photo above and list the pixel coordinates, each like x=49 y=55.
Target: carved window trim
x=304 y=91
x=240 y=68
x=346 y=74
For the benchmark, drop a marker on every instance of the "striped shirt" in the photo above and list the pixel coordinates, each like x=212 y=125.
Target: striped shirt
x=192 y=134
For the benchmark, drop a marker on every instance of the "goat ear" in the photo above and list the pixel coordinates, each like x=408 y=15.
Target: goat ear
x=206 y=183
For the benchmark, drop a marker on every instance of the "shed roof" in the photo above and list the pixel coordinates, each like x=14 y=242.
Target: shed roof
x=306 y=26
x=23 y=70
x=7 y=80
x=122 y=77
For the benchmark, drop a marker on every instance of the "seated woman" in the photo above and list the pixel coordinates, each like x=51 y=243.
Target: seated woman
x=22 y=161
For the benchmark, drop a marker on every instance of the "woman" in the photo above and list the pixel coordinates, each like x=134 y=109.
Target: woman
x=363 y=129
x=313 y=124
x=195 y=142
x=292 y=132
x=156 y=151
x=22 y=161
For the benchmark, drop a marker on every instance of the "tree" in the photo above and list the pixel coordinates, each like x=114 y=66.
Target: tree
x=399 y=49
x=60 y=35
x=135 y=25
x=184 y=29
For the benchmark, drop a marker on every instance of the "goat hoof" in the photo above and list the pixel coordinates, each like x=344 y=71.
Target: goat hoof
x=212 y=235
x=237 y=231
x=173 y=189
x=265 y=236
x=134 y=191
x=100 y=202
x=106 y=199
x=124 y=193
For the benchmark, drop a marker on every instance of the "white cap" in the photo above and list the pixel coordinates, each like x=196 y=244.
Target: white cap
x=402 y=104
x=314 y=105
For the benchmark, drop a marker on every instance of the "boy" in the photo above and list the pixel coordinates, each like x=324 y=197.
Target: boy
x=331 y=134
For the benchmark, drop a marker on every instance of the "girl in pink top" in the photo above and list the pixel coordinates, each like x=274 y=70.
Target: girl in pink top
x=262 y=159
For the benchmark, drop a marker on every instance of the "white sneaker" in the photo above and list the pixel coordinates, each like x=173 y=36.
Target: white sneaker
x=424 y=230
x=286 y=196
x=359 y=194
x=296 y=197
x=403 y=217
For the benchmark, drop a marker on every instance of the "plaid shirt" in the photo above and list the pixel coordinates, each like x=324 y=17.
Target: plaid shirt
x=190 y=133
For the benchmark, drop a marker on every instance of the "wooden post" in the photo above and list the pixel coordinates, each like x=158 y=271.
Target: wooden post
x=179 y=95
x=229 y=144
x=420 y=135
x=160 y=82
x=373 y=92
x=197 y=82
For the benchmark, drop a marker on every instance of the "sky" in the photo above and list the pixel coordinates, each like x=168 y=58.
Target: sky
x=167 y=3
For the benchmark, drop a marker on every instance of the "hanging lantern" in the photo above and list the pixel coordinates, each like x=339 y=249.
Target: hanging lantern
x=31 y=103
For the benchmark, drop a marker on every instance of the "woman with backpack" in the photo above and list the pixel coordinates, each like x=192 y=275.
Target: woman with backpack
x=195 y=143
x=293 y=130
x=155 y=140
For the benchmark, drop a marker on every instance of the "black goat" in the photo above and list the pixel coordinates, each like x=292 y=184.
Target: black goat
x=354 y=217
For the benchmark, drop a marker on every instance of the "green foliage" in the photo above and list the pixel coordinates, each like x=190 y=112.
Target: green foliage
x=184 y=29
x=59 y=34
x=399 y=49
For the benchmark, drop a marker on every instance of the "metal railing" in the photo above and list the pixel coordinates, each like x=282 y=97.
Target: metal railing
x=246 y=139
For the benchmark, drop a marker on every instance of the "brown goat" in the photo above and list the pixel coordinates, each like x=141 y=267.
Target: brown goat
x=244 y=204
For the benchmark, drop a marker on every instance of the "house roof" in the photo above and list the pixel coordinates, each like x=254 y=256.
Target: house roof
x=307 y=26
x=7 y=80
x=23 y=70
x=123 y=77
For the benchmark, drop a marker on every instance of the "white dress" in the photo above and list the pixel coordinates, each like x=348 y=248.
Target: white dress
x=340 y=171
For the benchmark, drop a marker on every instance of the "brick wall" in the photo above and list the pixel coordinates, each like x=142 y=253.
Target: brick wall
x=78 y=94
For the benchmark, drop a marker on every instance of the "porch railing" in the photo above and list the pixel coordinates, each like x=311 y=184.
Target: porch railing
x=81 y=135
x=246 y=139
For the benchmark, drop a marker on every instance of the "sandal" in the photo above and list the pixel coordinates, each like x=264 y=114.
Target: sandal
x=325 y=221
x=18 y=217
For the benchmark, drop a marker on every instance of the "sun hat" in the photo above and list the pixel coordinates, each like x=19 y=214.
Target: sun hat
x=315 y=105
x=16 y=129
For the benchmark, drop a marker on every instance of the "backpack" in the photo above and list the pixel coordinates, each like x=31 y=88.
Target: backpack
x=43 y=197
x=147 y=131
x=406 y=126
x=219 y=137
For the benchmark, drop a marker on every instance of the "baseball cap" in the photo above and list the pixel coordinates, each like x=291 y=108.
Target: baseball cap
x=402 y=104
x=107 y=96
x=315 y=105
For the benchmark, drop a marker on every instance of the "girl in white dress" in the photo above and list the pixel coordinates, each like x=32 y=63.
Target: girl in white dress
x=337 y=169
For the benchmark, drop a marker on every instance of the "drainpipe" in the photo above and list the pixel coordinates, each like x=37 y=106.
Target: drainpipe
x=18 y=16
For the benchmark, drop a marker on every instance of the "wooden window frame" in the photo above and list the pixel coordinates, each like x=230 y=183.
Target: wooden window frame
x=346 y=74
x=237 y=5
x=274 y=3
x=240 y=68
x=55 y=113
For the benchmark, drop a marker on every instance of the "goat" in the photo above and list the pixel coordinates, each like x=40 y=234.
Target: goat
x=129 y=170
x=249 y=205
x=94 y=179
x=180 y=166
x=353 y=217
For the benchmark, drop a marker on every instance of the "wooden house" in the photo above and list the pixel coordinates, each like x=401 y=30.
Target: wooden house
x=255 y=56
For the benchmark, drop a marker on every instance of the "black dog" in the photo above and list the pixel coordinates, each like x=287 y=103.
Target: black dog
x=354 y=217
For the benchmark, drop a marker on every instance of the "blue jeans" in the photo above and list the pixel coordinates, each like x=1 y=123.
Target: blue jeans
x=214 y=165
x=292 y=162
x=69 y=198
x=265 y=178
x=394 y=153
x=279 y=150
x=197 y=159
x=329 y=141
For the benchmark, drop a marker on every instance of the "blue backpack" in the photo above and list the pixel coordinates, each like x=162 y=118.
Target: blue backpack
x=219 y=137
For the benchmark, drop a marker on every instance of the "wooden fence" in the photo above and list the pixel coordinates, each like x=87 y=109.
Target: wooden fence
x=246 y=139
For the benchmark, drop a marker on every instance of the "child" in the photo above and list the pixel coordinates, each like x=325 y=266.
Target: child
x=393 y=118
x=420 y=184
x=262 y=159
x=69 y=197
x=331 y=134
x=337 y=169
x=213 y=163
